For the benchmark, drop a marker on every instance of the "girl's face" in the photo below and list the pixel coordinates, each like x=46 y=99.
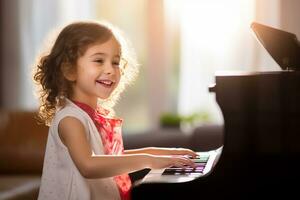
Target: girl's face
x=98 y=72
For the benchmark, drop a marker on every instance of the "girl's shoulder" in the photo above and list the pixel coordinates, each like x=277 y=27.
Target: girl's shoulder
x=70 y=110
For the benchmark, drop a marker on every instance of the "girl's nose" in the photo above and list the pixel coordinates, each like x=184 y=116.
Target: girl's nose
x=109 y=68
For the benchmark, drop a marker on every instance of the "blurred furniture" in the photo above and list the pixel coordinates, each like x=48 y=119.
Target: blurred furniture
x=22 y=146
x=202 y=138
x=23 y=142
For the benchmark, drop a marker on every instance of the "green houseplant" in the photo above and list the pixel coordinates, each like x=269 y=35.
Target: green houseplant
x=171 y=120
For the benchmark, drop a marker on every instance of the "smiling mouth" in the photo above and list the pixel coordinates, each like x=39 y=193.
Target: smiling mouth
x=105 y=83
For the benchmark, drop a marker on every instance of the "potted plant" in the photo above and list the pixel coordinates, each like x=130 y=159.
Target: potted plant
x=171 y=120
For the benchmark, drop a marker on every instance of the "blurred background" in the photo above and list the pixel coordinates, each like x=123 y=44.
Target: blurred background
x=180 y=46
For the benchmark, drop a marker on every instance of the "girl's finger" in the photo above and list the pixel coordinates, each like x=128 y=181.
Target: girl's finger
x=189 y=153
x=189 y=162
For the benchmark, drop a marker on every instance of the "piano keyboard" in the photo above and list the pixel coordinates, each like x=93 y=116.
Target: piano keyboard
x=200 y=162
x=204 y=163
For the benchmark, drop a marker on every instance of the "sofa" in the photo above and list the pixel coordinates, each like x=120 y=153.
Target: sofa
x=22 y=147
x=23 y=142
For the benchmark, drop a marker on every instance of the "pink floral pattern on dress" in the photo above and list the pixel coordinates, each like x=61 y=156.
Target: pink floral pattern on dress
x=110 y=130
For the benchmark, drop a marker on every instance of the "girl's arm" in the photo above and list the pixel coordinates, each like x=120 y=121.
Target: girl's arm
x=162 y=151
x=72 y=133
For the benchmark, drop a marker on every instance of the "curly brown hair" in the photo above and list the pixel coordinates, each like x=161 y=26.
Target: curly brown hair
x=70 y=44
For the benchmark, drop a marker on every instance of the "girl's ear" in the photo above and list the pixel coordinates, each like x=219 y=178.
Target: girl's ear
x=68 y=72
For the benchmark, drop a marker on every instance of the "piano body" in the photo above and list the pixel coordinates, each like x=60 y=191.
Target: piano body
x=261 y=141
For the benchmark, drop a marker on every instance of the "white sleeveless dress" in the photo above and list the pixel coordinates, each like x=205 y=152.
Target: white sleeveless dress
x=61 y=179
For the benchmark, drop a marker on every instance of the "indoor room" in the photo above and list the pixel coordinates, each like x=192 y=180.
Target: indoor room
x=186 y=93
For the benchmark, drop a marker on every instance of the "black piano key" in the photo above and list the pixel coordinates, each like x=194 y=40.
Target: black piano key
x=180 y=171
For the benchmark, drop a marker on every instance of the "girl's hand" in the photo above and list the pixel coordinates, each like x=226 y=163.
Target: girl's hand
x=172 y=151
x=158 y=162
x=183 y=151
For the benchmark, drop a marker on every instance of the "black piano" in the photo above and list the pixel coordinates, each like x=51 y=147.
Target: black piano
x=261 y=144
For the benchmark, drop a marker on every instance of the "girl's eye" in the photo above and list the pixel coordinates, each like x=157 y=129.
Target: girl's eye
x=117 y=64
x=99 y=61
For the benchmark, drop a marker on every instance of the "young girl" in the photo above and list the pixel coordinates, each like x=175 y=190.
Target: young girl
x=80 y=80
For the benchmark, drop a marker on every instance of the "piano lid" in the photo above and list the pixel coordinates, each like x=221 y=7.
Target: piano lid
x=281 y=45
